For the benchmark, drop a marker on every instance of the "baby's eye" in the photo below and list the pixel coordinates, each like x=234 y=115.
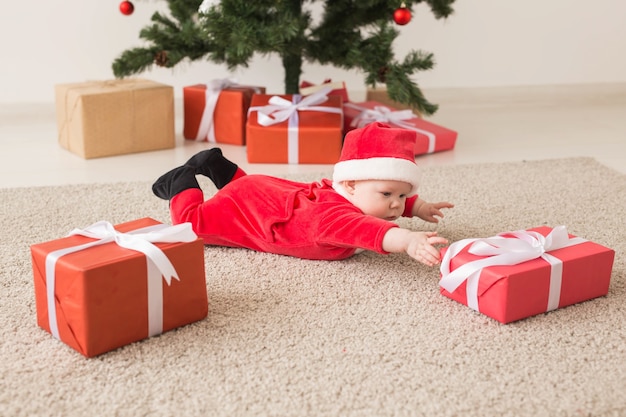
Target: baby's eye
x=402 y=195
x=386 y=194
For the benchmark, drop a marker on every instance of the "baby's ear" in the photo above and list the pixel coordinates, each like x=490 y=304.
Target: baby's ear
x=349 y=186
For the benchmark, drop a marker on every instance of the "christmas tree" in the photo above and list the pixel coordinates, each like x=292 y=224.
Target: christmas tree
x=350 y=35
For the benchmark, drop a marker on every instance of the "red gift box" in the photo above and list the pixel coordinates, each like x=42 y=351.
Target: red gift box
x=338 y=89
x=96 y=296
x=295 y=130
x=520 y=274
x=217 y=112
x=430 y=136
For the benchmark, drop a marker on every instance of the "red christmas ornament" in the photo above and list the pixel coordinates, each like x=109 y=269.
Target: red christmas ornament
x=402 y=15
x=127 y=8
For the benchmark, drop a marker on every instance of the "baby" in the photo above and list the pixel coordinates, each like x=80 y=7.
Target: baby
x=373 y=184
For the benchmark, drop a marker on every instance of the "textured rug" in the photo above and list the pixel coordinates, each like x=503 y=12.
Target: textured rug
x=369 y=336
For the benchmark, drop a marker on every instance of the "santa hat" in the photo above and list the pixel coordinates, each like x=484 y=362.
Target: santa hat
x=378 y=152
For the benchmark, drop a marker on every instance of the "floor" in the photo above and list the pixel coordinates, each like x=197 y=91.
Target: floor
x=494 y=125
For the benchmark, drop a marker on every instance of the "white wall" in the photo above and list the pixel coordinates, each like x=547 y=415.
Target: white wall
x=485 y=43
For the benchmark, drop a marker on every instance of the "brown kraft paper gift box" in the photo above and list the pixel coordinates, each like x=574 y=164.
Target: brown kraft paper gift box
x=105 y=118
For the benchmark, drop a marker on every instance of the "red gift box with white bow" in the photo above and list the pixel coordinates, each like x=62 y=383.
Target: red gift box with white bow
x=295 y=129
x=217 y=112
x=430 y=136
x=519 y=274
x=106 y=286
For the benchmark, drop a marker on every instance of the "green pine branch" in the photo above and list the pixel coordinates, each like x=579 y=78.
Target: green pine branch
x=350 y=35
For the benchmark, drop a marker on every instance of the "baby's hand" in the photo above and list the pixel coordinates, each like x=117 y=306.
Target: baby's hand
x=431 y=212
x=421 y=247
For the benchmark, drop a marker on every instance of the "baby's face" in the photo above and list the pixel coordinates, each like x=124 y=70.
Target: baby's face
x=384 y=199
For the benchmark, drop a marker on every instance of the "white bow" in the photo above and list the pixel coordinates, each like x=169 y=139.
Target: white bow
x=279 y=109
x=390 y=116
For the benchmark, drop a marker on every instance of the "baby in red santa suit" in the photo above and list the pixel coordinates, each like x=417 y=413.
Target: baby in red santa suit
x=374 y=183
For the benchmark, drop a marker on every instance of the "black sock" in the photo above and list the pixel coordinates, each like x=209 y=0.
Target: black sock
x=212 y=164
x=174 y=181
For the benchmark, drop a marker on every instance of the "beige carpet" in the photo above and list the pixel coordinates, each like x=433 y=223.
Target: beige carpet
x=370 y=336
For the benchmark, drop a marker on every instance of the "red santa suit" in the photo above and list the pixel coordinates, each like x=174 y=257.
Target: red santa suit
x=305 y=220
x=269 y=214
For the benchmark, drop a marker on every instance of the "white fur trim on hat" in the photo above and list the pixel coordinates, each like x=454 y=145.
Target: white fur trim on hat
x=396 y=169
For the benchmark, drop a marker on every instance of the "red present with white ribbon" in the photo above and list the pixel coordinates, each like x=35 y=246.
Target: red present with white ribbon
x=519 y=274
x=106 y=286
x=430 y=136
x=294 y=129
x=217 y=111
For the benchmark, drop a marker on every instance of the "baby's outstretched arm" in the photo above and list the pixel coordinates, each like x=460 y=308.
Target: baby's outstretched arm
x=430 y=212
x=418 y=245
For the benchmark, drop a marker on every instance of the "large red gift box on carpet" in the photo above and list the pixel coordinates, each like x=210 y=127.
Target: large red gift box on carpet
x=430 y=136
x=217 y=112
x=95 y=295
x=295 y=129
x=519 y=274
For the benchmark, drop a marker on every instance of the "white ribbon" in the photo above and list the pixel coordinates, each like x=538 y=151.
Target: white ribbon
x=279 y=110
x=158 y=265
x=387 y=115
x=206 y=129
x=510 y=248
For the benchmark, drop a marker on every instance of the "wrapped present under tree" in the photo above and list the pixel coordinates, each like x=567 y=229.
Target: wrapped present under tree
x=296 y=130
x=115 y=117
x=217 y=112
x=430 y=136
